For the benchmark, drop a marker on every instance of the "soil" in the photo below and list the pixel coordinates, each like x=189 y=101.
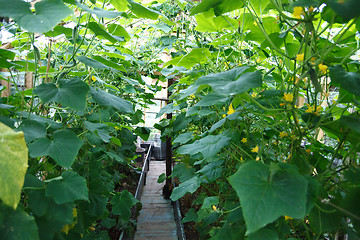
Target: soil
x=190 y=230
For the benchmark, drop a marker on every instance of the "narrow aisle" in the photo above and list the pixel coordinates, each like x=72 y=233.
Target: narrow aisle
x=156 y=219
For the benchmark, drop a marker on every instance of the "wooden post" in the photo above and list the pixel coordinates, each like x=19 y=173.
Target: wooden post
x=29 y=81
x=168 y=185
x=5 y=83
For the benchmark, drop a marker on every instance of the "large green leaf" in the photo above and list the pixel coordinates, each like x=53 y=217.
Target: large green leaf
x=63 y=147
x=264 y=233
x=97 y=204
x=50 y=124
x=212 y=171
x=101 y=129
x=220 y=6
x=169 y=108
x=190 y=186
x=122 y=204
x=101 y=13
x=143 y=12
x=321 y=221
x=349 y=81
x=197 y=55
x=110 y=64
x=106 y=99
x=17 y=225
x=346 y=9
x=183 y=138
x=32 y=130
x=48 y=13
x=50 y=213
x=68 y=189
x=212 y=99
x=232 y=82
x=206 y=22
x=350 y=204
x=91 y=62
x=58 y=30
x=5 y=56
x=259 y=5
x=120 y=5
x=118 y=30
x=13 y=165
x=70 y=93
x=268 y=193
x=143 y=132
x=208 y=146
x=352 y=122
x=344 y=128
x=99 y=31
x=183 y=172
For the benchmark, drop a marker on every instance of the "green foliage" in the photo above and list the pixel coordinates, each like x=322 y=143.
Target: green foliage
x=266 y=194
x=77 y=119
x=62 y=139
x=106 y=99
x=48 y=13
x=16 y=224
x=70 y=93
x=265 y=110
x=69 y=188
x=122 y=204
x=208 y=146
x=265 y=120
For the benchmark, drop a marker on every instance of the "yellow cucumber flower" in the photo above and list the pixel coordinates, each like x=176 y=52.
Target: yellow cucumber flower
x=255 y=149
x=298 y=11
x=283 y=134
x=300 y=57
x=311 y=109
x=288 y=97
x=231 y=109
x=323 y=68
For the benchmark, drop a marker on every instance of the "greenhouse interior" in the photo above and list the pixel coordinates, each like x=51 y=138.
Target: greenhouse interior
x=179 y=119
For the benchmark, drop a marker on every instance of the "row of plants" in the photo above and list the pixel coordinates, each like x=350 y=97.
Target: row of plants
x=68 y=139
x=266 y=125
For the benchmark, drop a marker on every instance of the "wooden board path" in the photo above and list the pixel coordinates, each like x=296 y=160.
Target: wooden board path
x=156 y=220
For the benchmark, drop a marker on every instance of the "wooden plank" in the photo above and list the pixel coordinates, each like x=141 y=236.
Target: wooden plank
x=156 y=219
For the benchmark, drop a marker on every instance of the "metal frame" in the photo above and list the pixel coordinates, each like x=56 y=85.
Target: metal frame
x=142 y=179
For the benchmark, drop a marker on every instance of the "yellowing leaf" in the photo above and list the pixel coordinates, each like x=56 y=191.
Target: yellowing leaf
x=13 y=165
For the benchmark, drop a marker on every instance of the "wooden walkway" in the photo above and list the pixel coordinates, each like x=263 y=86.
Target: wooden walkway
x=156 y=220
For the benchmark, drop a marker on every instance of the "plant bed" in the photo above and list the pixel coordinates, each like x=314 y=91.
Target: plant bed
x=128 y=182
x=189 y=227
